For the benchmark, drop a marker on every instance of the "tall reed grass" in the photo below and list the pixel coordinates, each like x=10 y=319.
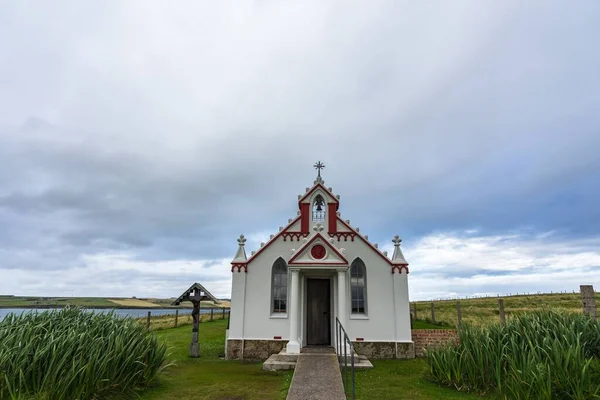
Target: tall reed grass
x=74 y=354
x=541 y=355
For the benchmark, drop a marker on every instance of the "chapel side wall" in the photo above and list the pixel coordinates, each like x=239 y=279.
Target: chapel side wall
x=380 y=325
x=403 y=328
x=258 y=322
x=236 y=315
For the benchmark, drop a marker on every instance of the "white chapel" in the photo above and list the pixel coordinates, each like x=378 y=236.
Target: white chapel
x=316 y=269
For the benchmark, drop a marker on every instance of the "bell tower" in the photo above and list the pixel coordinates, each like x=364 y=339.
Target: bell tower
x=319 y=205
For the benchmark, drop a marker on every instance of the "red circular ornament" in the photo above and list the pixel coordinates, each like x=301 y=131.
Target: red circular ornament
x=317 y=251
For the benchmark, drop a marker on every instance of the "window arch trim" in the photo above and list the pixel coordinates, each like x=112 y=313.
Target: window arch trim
x=279 y=285
x=358 y=288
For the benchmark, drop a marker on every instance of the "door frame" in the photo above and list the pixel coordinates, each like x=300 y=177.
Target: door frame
x=305 y=308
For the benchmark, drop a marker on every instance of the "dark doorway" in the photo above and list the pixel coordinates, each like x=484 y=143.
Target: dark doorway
x=318 y=324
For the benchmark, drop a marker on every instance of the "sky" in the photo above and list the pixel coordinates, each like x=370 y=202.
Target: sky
x=139 y=139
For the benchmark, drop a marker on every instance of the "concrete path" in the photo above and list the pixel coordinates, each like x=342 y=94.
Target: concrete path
x=317 y=377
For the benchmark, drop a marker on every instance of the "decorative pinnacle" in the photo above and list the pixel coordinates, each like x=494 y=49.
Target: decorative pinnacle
x=240 y=255
x=319 y=166
x=398 y=257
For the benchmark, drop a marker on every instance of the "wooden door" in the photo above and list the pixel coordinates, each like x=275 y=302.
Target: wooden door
x=318 y=323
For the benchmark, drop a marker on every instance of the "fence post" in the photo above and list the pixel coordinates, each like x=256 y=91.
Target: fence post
x=148 y=321
x=501 y=310
x=459 y=314
x=176 y=317
x=212 y=310
x=432 y=312
x=589 y=303
x=415 y=311
x=223 y=313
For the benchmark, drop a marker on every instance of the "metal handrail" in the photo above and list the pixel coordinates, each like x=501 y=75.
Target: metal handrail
x=342 y=336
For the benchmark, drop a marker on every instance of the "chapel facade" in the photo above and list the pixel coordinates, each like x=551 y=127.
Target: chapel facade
x=288 y=293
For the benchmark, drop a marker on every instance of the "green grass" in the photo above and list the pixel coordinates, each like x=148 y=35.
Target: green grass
x=484 y=311
x=210 y=376
x=546 y=355
x=168 y=321
x=402 y=379
x=420 y=324
x=73 y=354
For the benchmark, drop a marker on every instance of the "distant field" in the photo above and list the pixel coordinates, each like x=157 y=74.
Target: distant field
x=484 y=311
x=134 y=303
x=96 y=302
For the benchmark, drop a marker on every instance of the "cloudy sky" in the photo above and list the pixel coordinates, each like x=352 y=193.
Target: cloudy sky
x=138 y=139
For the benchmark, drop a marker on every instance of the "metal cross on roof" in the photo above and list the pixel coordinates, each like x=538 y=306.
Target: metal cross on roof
x=319 y=166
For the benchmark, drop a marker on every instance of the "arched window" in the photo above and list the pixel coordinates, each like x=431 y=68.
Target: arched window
x=319 y=209
x=279 y=287
x=358 y=286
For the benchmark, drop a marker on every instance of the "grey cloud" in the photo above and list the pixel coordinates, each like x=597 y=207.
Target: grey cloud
x=169 y=137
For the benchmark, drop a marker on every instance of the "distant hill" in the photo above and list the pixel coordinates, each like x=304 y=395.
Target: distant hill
x=9 y=301
x=483 y=311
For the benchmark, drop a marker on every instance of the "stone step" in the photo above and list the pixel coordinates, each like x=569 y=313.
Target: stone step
x=274 y=365
x=283 y=361
x=360 y=362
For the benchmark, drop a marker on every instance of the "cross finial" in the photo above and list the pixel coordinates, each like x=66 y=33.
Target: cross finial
x=319 y=166
x=397 y=240
x=241 y=240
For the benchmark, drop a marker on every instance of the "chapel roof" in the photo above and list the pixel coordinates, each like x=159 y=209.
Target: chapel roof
x=241 y=260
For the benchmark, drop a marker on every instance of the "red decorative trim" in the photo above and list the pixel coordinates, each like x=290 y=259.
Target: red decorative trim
x=367 y=242
x=319 y=263
x=400 y=267
x=331 y=217
x=277 y=337
x=360 y=339
x=345 y=235
x=318 y=252
x=272 y=240
x=294 y=236
x=315 y=188
x=239 y=267
x=326 y=243
x=305 y=217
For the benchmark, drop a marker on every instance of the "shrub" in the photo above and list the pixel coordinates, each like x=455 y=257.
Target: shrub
x=542 y=355
x=74 y=354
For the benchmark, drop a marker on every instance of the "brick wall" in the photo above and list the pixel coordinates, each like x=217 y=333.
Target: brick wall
x=423 y=338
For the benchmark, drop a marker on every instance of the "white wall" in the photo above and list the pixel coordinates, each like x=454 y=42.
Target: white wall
x=387 y=317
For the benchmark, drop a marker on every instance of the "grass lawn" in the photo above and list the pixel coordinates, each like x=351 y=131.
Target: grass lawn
x=402 y=379
x=419 y=324
x=210 y=377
